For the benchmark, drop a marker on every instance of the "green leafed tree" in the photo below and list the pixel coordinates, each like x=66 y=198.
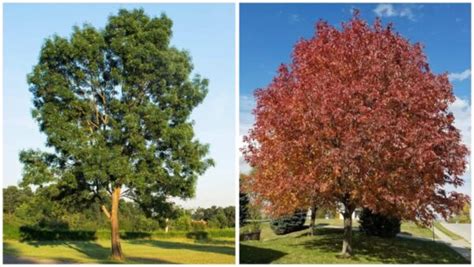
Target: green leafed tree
x=114 y=104
x=14 y=197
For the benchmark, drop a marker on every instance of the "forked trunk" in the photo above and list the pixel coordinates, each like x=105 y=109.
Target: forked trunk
x=114 y=223
x=347 y=240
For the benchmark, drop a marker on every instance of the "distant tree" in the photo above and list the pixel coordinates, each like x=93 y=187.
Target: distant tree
x=244 y=213
x=13 y=197
x=464 y=216
x=244 y=201
x=358 y=118
x=230 y=216
x=114 y=104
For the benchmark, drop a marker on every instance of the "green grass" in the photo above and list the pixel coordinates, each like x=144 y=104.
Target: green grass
x=334 y=222
x=408 y=228
x=169 y=250
x=411 y=229
x=443 y=229
x=324 y=247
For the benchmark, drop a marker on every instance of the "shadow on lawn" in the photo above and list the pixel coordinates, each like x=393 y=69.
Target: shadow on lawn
x=216 y=242
x=385 y=250
x=12 y=255
x=196 y=247
x=93 y=251
x=251 y=254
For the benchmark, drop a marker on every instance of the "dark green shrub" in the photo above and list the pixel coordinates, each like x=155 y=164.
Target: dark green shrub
x=135 y=235
x=243 y=208
x=34 y=233
x=378 y=225
x=198 y=235
x=288 y=224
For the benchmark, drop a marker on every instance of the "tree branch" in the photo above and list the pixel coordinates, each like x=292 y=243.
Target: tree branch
x=106 y=212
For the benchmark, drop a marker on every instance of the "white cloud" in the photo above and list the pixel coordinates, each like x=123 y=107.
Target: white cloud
x=247 y=104
x=294 y=18
x=461 y=110
x=459 y=76
x=388 y=10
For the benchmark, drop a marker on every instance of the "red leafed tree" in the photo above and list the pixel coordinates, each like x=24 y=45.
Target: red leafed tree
x=359 y=119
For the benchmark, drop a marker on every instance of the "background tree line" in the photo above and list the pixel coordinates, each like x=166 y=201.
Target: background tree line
x=22 y=206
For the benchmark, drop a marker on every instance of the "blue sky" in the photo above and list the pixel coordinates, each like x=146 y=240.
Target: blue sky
x=268 y=33
x=205 y=30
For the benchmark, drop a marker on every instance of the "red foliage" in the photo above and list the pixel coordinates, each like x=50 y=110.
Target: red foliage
x=357 y=115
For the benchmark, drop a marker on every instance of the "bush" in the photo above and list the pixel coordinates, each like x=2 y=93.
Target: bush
x=243 y=208
x=288 y=224
x=33 y=233
x=11 y=232
x=378 y=225
x=198 y=235
x=198 y=225
x=30 y=233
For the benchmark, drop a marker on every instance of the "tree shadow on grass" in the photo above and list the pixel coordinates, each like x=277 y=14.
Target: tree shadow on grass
x=251 y=254
x=216 y=242
x=89 y=249
x=142 y=260
x=12 y=255
x=177 y=245
x=95 y=251
x=321 y=224
x=385 y=250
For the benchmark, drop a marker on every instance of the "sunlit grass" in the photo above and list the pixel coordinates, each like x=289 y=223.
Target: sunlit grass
x=170 y=250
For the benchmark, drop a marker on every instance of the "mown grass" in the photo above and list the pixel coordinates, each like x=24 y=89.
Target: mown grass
x=169 y=250
x=324 y=247
x=412 y=229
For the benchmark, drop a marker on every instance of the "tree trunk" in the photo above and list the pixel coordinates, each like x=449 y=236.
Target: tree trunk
x=347 y=241
x=114 y=223
x=313 y=219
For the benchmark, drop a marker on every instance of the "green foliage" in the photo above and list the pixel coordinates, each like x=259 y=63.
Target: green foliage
x=464 y=216
x=378 y=224
x=198 y=235
x=243 y=208
x=28 y=233
x=216 y=217
x=183 y=222
x=46 y=219
x=288 y=224
x=13 y=197
x=114 y=103
x=11 y=232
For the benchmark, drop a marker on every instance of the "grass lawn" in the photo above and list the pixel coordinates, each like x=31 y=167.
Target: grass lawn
x=334 y=222
x=443 y=229
x=324 y=247
x=170 y=250
x=410 y=228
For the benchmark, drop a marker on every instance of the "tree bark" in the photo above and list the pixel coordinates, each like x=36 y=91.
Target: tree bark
x=347 y=241
x=313 y=219
x=114 y=223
